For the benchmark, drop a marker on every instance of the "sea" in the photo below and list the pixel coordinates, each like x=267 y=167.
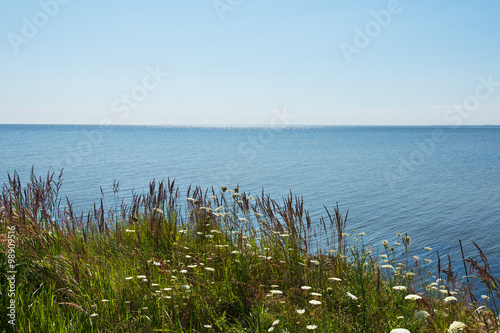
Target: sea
x=439 y=185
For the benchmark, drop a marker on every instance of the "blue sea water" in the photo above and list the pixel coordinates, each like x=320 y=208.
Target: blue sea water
x=438 y=184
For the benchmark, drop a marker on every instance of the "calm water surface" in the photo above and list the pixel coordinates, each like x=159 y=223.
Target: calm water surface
x=438 y=184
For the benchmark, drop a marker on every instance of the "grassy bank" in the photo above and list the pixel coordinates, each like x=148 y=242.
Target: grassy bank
x=219 y=261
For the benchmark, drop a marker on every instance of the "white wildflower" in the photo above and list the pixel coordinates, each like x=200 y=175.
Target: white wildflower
x=413 y=297
x=399 y=288
x=456 y=326
x=334 y=279
x=352 y=296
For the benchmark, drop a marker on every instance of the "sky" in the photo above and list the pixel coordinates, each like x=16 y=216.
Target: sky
x=242 y=62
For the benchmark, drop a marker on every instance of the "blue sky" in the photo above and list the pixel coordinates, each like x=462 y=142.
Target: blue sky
x=242 y=62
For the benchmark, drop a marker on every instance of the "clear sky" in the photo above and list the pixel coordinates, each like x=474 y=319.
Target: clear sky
x=245 y=61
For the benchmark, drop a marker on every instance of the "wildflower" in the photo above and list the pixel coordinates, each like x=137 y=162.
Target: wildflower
x=362 y=234
x=154 y=284
x=413 y=297
x=274 y=291
x=444 y=291
x=167 y=289
x=190 y=199
x=207 y=326
x=383 y=256
x=428 y=261
x=427 y=248
x=156 y=263
x=422 y=314
x=456 y=326
x=141 y=276
x=387 y=266
x=314 y=302
x=223 y=188
x=276 y=322
x=185 y=287
x=94 y=315
x=301 y=311
x=215 y=231
x=243 y=219
x=450 y=299
x=235 y=252
x=284 y=235
x=315 y=262
x=345 y=234
x=400 y=330
x=311 y=327
x=399 y=288
x=334 y=279
x=416 y=257
x=397 y=243
x=210 y=269
x=158 y=211
x=129 y=230
x=305 y=287
x=316 y=294
x=271 y=329
x=105 y=300
x=385 y=243
x=485 y=297
x=192 y=266
x=129 y=278
x=352 y=296
x=400 y=317
x=399 y=234
x=410 y=275
x=183 y=271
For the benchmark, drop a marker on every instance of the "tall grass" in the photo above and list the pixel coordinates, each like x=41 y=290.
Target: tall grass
x=220 y=260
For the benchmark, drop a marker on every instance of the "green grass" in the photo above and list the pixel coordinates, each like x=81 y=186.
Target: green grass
x=220 y=262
